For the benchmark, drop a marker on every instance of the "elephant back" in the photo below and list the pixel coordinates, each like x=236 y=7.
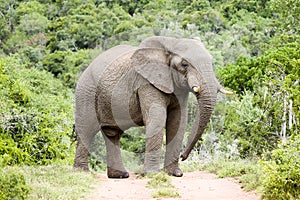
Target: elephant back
x=96 y=69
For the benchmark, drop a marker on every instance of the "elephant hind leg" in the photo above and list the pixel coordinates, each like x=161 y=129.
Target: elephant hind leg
x=86 y=126
x=84 y=142
x=86 y=122
x=81 y=156
x=115 y=167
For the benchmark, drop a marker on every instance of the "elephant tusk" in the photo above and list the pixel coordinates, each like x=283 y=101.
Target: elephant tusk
x=222 y=90
x=196 y=89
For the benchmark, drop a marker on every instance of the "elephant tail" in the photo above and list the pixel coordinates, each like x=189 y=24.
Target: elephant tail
x=73 y=135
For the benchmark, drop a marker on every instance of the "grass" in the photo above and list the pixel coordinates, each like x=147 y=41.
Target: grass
x=247 y=172
x=62 y=182
x=166 y=192
x=162 y=185
x=57 y=182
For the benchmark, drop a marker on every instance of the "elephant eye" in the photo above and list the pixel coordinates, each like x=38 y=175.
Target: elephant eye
x=184 y=64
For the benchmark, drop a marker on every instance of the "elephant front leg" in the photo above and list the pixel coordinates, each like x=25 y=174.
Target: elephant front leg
x=115 y=167
x=154 y=139
x=153 y=106
x=155 y=119
x=176 y=125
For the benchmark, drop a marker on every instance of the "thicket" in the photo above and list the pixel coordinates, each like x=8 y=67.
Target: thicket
x=13 y=185
x=45 y=45
x=267 y=109
x=281 y=171
x=36 y=115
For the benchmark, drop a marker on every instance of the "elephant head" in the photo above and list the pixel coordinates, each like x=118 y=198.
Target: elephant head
x=195 y=64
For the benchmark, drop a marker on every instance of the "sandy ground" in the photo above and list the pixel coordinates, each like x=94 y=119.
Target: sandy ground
x=193 y=185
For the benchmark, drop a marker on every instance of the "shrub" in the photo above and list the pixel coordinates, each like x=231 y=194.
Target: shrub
x=159 y=180
x=58 y=181
x=281 y=172
x=162 y=185
x=13 y=185
x=36 y=115
x=66 y=65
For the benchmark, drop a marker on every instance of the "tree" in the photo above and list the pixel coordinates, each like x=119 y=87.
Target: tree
x=86 y=26
x=289 y=10
x=32 y=24
x=274 y=79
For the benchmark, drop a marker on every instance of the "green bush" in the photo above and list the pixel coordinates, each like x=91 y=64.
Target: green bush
x=10 y=152
x=133 y=140
x=66 y=65
x=161 y=185
x=281 y=172
x=97 y=156
x=13 y=185
x=264 y=84
x=133 y=148
x=36 y=115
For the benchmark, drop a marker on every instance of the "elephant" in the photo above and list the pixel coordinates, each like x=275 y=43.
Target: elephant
x=146 y=85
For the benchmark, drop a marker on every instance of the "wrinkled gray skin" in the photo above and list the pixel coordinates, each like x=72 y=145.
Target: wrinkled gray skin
x=145 y=86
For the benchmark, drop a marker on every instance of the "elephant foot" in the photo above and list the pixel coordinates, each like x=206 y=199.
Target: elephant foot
x=81 y=167
x=113 y=173
x=81 y=157
x=145 y=173
x=176 y=173
x=86 y=169
x=174 y=170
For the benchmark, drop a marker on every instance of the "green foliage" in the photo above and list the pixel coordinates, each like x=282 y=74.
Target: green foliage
x=133 y=147
x=129 y=6
x=242 y=75
x=288 y=10
x=133 y=161
x=67 y=66
x=10 y=152
x=236 y=168
x=29 y=7
x=133 y=140
x=4 y=34
x=97 y=156
x=223 y=168
x=247 y=172
x=36 y=119
x=161 y=182
x=33 y=23
x=246 y=122
x=255 y=46
x=281 y=171
x=85 y=27
x=203 y=16
x=166 y=192
x=231 y=7
x=13 y=185
x=51 y=182
x=273 y=78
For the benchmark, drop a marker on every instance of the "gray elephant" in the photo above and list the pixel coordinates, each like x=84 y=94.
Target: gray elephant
x=147 y=85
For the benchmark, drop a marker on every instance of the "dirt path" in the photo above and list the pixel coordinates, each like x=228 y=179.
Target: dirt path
x=193 y=185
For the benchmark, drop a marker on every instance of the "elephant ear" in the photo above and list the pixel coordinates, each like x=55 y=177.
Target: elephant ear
x=152 y=64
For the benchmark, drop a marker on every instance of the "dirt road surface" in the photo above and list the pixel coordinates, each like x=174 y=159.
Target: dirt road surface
x=193 y=185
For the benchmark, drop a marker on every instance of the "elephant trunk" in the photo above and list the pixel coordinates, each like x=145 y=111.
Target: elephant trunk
x=206 y=101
